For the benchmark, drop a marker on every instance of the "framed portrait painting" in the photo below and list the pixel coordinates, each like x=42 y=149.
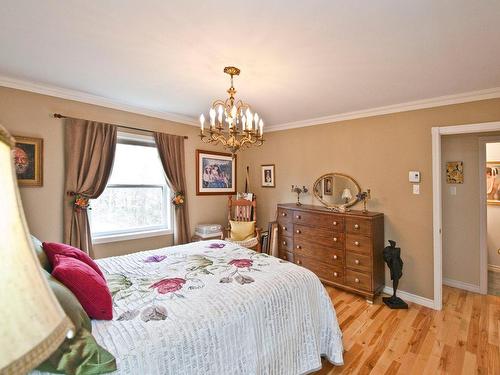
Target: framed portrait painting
x=215 y=173
x=267 y=176
x=28 y=160
x=493 y=182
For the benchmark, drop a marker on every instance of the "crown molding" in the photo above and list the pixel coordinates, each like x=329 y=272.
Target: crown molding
x=80 y=96
x=471 y=96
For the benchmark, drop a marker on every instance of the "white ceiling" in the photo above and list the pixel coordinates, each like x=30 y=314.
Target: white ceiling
x=299 y=59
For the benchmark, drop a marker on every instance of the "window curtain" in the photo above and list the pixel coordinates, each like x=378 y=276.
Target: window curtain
x=90 y=150
x=171 y=150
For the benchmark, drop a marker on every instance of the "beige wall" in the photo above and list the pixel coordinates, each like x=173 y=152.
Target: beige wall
x=29 y=114
x=378 y=152
x=493 y=224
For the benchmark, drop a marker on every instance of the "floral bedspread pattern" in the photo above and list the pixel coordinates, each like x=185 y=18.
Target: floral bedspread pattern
x=212 y=307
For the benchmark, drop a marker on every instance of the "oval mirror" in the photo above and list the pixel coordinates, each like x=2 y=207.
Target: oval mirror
x=334 y=190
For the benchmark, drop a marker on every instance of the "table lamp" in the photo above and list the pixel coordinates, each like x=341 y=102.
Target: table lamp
x=32 y=323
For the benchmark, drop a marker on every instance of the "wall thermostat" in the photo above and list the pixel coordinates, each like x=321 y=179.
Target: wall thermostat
x=414 y=176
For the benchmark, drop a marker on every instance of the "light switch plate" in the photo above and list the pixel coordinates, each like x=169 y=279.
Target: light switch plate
x=416 y=189
x=453 y=190
x=414 y=176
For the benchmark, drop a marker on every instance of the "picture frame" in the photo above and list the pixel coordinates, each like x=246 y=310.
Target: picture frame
x=328 y=186
x=455 y=172
x=268 y=177
x=28 y=161
x=493 y=182
x=215 y=173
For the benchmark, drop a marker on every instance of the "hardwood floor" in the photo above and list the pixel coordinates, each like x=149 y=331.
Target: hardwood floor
x=463 y=338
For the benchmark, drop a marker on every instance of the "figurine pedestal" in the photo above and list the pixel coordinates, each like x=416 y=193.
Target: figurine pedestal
x=395 y=302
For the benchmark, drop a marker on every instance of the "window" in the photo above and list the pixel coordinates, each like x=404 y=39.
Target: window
x=136 y=201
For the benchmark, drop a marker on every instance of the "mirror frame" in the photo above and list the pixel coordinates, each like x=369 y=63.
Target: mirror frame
x=352 y=202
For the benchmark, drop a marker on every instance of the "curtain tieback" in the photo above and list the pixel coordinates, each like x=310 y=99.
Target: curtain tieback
x=80 y=201
x=178 y=199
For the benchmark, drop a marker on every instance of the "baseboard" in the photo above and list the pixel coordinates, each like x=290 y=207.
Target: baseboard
x=494 y=268
x=408 y=297
x=461 y=285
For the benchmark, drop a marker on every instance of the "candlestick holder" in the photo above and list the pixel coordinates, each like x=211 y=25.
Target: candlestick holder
x=363 y=197
x=298 y=191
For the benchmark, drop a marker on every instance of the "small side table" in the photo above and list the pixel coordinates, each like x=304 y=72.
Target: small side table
x=197 y=238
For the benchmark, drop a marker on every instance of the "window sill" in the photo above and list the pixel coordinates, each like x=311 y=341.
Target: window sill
x=131 y=236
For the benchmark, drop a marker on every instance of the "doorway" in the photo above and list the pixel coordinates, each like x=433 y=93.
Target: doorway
x=492 y=147
x=437 y=187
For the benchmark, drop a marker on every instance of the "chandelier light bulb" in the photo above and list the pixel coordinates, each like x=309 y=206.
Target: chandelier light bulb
x=261 y=127
x=244 y=122
x=220 y=114
x=233 y=112
x=256 y=120
x=202 y=121
x=212 y=117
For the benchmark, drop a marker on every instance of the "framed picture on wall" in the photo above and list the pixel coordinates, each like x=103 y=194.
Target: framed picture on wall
x=215 y=173
x=328 y=186
x=28 y=160
x=267 y=175
x=493 y=182
x=455 y=172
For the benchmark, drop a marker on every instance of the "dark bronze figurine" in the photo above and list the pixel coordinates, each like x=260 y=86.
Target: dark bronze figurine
x=392 y=256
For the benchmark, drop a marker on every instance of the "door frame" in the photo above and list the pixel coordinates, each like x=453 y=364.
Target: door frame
x=437 y=207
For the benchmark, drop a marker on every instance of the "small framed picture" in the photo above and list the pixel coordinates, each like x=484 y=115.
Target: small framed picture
x=215 y=173
x=328 y=186
x=455 y=172
x=28 y=160
x=267 y=176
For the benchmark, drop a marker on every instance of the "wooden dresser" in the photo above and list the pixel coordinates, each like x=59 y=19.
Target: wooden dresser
x=343 y=249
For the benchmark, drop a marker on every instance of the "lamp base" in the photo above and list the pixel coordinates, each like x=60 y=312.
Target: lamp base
x=395 y=302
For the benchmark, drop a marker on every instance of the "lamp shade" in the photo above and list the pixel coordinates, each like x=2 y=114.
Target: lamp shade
x=32 y=323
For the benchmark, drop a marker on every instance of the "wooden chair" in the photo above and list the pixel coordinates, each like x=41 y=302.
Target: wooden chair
x=243 y=210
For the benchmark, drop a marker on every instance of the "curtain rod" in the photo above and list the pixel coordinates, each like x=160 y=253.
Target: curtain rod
x=58 y=115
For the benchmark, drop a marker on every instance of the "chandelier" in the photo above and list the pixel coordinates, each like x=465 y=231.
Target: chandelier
x=231 y=122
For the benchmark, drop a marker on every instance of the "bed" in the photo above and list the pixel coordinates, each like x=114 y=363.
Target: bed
x=212 y=307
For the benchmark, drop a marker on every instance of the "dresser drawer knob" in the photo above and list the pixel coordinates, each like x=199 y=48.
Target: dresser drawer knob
x=335 y=257
x=356 y=226
x=356 y=243
x=298 y=247
x=297 y=231
x=284 y=243
x=298 y=262
x=335 y=274
x=335 y=239
x=356 y=280
x=298 y=217
x=335 y=223
x=283 y=214
x=356 y=261
x=284 y=228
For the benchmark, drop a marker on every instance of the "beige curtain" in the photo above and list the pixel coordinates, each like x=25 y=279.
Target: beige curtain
x=90 y=150
x=171 y=150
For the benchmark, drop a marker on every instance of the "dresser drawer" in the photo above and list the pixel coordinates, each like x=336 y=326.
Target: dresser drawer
x=285 y=255
x=358 y=226
x=332 y=222
x=285 y=229
x=358 y=244
x=320 y=237
x=322 y=270
x=358 y=280
x=358 y=262
x=286 y=244
x=284 y=215
x=335 y=257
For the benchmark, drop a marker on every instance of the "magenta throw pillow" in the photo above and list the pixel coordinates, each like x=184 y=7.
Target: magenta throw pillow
x=86 y=284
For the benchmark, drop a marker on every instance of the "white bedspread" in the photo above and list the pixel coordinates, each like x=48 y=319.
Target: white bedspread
x=215 y=308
